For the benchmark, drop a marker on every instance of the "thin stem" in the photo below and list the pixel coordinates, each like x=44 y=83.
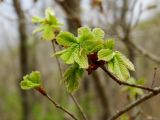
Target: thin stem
x=58 y=63
x=78 y=106
x=135 y=103
x=61 y=75
x=120 y=82
x=154 y=77
x=60 y=107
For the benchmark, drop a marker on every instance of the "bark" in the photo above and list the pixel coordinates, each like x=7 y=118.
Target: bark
x=23 y=56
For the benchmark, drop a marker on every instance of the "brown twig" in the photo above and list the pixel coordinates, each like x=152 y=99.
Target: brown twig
x=135 y=103
x=44 y=93
x=58 y=63
x=120 y=82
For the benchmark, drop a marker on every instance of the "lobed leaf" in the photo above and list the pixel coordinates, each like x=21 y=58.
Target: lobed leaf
x=109 y=44
x=69 y=54
x=31 y=81
x=81 y=59
x=48 y=33
x=98 y=33
x=120 y=69
x=66 y=39
x=125 y=61
x=72 y=76
x=105 y=54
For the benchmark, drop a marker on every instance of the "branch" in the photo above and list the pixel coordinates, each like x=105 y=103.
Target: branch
x=145 y=53
x=135 y=103
x=43 y=92
x=120 y=82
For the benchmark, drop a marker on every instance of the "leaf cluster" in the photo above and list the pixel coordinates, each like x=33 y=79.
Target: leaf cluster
x=86 y=50
x=48 y=25
x=31 y=81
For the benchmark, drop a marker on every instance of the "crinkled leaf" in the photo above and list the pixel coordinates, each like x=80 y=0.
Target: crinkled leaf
x=120 y=69
x=98 y=33
x=125 y=60
x=84 y=34
x=111 y=66
x=81 y=59
x=66 y=39
x=31 y=81
x=92 y=46
x=109 y=44
x=48 y=33
x=72 y=76
x=69 y=54
x=84 y=30
x=105 y=54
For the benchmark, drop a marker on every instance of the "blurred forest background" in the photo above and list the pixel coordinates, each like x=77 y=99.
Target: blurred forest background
x=135 y=26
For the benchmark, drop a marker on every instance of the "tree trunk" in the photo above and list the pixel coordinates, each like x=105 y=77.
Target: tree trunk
x=23 y=56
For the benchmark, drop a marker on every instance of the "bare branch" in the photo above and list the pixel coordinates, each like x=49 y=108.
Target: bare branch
x=120 y=82
x=44 y=93
x=135 y=103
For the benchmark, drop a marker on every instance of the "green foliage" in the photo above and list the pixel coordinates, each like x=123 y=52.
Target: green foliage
x=105 y=54
x=77 y=48
x=118 y=64
x=109 y=44
x=48 y=25
x=33 y=80
x=133 y=92
x=71 y=77
x=125 y=61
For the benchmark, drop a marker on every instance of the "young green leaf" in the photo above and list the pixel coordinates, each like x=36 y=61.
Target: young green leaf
x=66 y=39
x=98 y=33
x=39 y=29
x=81 y=59
x=48 y=25
x=33 y=80
x=105 y=54
x=71 y=77
x=125 y=61
x=49 y=12
x=48 y=33
x=109 y=44
x=111 y=66
x=120 y=69
x=69 y=54
x=92 y=46
x=36 y=19
x=85 y=34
